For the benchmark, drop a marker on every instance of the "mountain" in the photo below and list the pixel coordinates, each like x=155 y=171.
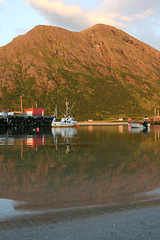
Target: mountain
x=105 y=71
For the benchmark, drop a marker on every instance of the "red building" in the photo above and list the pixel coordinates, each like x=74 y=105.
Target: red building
x=35 y=111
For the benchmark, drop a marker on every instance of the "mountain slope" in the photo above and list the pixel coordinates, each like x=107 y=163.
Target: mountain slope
x=103 y=69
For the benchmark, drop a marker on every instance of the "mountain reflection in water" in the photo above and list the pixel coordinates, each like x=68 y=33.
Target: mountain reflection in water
x=91 y=165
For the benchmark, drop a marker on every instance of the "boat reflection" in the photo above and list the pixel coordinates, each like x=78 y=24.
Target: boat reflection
x=66 y=133
x=138 y=130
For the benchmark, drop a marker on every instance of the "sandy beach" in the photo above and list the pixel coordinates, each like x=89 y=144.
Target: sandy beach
x=123 y=224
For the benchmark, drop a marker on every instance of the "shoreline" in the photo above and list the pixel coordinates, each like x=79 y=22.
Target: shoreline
x=136 y=222
x=101 y=123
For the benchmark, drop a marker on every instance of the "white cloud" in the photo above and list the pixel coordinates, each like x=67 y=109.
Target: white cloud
x=133 y=16
x=5 y=3
x=114 y=12
x=57 y=7
x=130 y=6
x=57 y=12
x=73 y=16
x=144 y=14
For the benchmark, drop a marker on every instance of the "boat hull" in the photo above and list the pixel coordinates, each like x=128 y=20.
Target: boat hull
x=62 y=124
x=138 y=125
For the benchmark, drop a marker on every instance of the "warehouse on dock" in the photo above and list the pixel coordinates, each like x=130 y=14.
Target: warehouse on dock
x=35 y=112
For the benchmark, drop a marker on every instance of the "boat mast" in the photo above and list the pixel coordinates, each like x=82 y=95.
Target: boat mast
x=67 y=108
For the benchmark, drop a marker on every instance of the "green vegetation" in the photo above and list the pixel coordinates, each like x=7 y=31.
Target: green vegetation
x=119 y=78
x=96 y=97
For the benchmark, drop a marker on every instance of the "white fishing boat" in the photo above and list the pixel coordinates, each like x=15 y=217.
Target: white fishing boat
x=66 y=121
x=139 y=125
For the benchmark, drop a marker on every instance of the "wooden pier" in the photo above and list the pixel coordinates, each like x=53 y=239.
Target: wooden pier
x=21 y=121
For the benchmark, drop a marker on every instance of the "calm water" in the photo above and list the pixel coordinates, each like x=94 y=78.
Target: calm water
x=77 y=167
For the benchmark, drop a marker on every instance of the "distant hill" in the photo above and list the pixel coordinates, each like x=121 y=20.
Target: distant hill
x=105 y=71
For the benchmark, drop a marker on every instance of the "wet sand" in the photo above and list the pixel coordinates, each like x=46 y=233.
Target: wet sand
x=120 y=224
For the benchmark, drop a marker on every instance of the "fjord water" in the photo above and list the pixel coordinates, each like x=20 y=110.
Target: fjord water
x=77 y=167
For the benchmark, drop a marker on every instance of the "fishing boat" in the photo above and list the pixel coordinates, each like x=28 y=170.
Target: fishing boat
x=66 y=121
x=139 y=125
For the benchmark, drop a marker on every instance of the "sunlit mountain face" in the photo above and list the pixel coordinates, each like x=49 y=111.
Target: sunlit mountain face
x=105 y=71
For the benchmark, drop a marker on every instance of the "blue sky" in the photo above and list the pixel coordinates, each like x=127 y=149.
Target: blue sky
x=139 y=18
